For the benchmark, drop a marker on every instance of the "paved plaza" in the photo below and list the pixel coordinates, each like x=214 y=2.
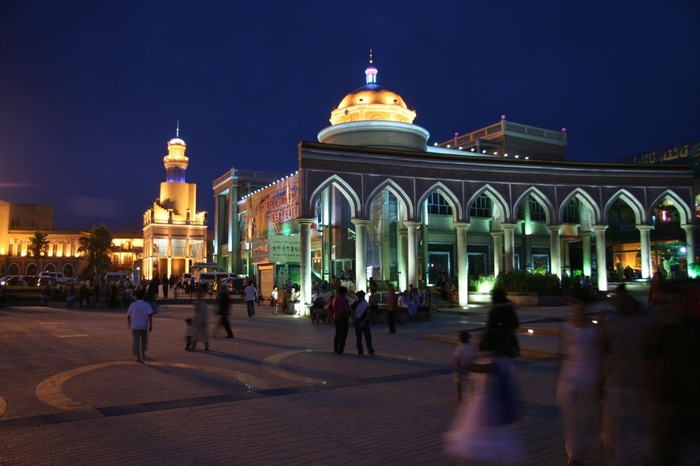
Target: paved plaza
x=71 y=394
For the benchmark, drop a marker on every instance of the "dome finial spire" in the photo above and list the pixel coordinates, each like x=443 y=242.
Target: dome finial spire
x=371 y=71
x=177 y=129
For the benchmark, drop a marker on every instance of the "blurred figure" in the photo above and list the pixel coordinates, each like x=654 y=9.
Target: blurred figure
x=625 y=341
x=465 y=353
x=223 y=301
x=691 y=299
x=341 y=313
x=392 y=307
x=580 y=371
x=200 y=324
x=188 y=333
x=501 y=325
x=481 y=430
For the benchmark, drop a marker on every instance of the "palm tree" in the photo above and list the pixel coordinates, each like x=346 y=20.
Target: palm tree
x=38 y=246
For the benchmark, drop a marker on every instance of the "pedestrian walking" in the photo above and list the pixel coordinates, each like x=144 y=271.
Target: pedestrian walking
x=482 y=430
x=361 y=313
x=223 y=301
x=580 y=371
x=624 y=383
x=391 y=307
x=140 y=319
x=274 y=301
x=249 y=292
x=465 y=353
x=200 y=325
x=188 y=333
x=165 y=284
x=341 y=313
x=502 y=321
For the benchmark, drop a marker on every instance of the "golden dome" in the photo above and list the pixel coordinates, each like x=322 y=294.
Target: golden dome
x=372 y=102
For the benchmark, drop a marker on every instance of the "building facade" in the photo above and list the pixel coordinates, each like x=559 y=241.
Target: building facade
x=373 y=198
x=174 y=232
x=20 y=222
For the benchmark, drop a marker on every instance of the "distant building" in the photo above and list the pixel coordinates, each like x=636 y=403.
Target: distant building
x=20 y=222
x=174 y=231
x=229 y=252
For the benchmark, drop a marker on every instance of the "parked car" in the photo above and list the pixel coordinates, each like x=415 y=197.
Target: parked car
x=58 y=277
x=12 y=280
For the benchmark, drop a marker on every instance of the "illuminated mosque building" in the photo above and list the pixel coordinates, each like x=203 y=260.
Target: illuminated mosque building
x=174 y=232
x=372 y=197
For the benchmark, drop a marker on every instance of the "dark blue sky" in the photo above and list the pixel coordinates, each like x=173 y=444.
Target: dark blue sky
x=90 y=91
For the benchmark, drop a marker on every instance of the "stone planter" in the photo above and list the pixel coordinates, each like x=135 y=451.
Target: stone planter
x=522 y=299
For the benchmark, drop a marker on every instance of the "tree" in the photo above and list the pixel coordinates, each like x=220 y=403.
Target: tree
x=96 y=247
x=38 y=244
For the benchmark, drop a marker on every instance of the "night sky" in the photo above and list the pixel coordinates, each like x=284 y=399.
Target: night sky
x=90 y=91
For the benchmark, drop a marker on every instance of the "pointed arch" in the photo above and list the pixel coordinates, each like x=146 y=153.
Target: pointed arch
x=540 y=198
x=343 y=187
x=397 y=191
x=640 y=216
x=681 y=206
x=495 y=197
x=449 y=197
x=585 y=199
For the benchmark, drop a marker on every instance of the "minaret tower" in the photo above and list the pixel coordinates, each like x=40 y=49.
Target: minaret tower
x=174 y=231
x=176 y=162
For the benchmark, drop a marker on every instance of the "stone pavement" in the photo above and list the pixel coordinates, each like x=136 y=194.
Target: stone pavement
x=70 y=392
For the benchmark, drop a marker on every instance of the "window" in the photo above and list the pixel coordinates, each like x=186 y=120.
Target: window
x=571 y=214
x=537 y=213
x=438 y=205
x=481 y=207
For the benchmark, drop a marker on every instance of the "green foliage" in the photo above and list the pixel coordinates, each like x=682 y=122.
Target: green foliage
x=694 y=270
x=520 y=281
x=482 y=283
x=96 y=247
x=38 y=244
x=577 y=273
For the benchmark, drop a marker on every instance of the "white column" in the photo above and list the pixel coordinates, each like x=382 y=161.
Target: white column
x=327 y=239
x=401 y=253
x=644 y=239
x=497 y=252
x=412 y=253
x=360 y=253
x=586 y=249
x=554 y=249
x=600 y=257
x=509 y=246
x=462 y=263
x=565 y=257
x=690 y=243
x=305 y=263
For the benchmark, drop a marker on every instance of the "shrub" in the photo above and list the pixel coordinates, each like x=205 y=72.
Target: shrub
x=520 y=281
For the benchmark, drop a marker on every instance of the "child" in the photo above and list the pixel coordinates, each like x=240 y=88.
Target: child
x=465 y=353
x=188 y=333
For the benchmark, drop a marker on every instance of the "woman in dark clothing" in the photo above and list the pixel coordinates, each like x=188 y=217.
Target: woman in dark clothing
x=501 y=325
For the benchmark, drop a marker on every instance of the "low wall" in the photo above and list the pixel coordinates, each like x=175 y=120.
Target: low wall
x=522 y=299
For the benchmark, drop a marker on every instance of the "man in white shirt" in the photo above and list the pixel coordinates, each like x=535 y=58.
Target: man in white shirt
x=140 y=319
x=249 y=293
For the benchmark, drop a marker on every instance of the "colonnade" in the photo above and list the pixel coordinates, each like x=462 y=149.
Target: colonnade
x=503 y=253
